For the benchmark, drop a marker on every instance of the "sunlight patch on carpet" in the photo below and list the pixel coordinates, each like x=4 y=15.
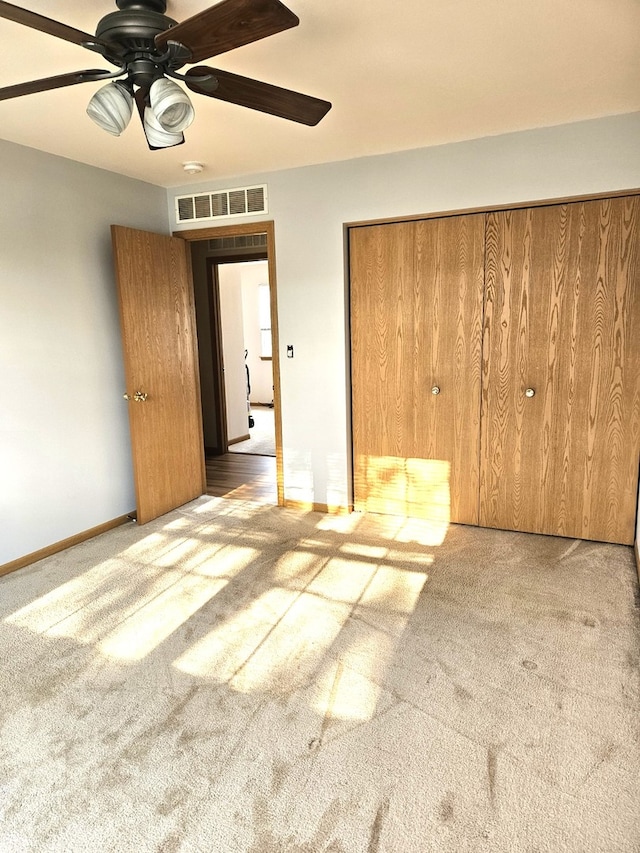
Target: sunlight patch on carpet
x=144 y=630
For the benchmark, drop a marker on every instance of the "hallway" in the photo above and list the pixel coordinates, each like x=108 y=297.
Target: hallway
x=263 y=433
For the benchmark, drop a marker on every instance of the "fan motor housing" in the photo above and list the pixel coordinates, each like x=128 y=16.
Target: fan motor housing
x=155 y=5
x=133 y=28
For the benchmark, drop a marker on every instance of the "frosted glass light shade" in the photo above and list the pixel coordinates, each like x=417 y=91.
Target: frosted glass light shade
x=111 y=108
x=156 y=135
x=171 y=105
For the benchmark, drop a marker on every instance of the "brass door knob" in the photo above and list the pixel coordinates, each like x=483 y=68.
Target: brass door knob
x=138 y=397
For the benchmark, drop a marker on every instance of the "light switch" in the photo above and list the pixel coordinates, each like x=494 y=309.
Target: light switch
x=289 y=350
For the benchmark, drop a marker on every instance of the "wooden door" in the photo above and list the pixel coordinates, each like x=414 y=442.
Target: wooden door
x=416 y=323
x=562 y=320
x=160 y=355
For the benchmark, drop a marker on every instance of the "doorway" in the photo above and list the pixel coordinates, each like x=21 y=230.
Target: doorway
x=242 y=292
x=212 y=248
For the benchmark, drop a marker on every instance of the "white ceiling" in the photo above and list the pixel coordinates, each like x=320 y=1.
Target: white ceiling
x=401 y=74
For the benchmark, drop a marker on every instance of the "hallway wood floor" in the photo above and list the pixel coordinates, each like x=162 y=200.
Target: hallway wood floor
x=243 y=477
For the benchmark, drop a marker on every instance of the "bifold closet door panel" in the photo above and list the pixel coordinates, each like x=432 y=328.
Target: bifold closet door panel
x=416 y=320
x=561 y=370
x=448 y=310
x=383 y=364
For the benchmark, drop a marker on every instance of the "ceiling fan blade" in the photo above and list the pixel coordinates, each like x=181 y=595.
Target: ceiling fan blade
x=228 y=25
x=91 y=76
x=264 y=97
x=45 y=25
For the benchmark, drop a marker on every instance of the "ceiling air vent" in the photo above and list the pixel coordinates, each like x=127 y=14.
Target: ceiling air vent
x=222 y=204
x=239 y=242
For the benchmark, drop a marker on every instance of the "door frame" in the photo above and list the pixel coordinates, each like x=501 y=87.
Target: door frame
x=219 y=390
x=244 y=230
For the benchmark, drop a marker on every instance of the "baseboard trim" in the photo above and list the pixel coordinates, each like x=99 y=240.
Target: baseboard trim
x=308 y=506
x=239 y=439
x=50 y=550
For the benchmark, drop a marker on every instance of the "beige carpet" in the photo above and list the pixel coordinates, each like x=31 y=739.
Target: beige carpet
x=243 y=678
x=263 y=434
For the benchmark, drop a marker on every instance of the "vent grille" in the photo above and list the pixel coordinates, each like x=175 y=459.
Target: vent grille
x=250 y=241
x=240 y=201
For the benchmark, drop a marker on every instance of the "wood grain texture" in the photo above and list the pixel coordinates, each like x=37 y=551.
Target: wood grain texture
x=562 y=317
x=160 y=354
x=227 y=25
x=448 y=309
x=242 y=476
x=416 y=320
x=48 y=83
x=46 y=25
x=382 y=273
x=256 y=95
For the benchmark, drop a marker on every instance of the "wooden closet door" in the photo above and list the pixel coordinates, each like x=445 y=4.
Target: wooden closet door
x=383 y=367
x=562 y=319
x=448 y=310
x=416 y=322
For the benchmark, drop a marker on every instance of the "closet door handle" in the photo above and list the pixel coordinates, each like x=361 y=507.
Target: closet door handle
x=435 y=390
x=530 y=392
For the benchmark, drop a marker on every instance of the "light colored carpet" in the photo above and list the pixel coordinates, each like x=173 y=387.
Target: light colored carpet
x=263 y=434
x=236 y=678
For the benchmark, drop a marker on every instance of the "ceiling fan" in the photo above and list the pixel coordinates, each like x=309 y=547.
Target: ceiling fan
x=148 y=48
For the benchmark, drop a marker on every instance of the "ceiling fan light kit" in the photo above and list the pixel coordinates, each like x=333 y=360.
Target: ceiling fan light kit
x=170 y=105
x=157 y=135
x=148 y=48
x=111 y=108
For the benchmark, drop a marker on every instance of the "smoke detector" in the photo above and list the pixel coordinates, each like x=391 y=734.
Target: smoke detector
x=192 y=167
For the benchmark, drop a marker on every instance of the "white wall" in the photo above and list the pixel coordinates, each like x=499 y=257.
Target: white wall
x=65 y=461
x=309 y=207
x=253 y=274
x=233 y=346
